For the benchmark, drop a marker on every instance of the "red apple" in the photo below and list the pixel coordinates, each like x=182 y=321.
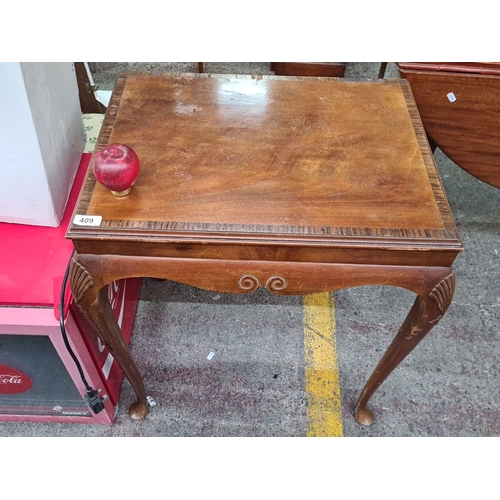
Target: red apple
x=116 y=167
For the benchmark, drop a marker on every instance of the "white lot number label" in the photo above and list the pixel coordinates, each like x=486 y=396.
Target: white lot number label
x=87 y=220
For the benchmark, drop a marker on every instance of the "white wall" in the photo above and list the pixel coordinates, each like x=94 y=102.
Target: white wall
x=42 y=138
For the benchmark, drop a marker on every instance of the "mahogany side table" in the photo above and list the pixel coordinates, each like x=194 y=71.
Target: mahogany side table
x=297 y=184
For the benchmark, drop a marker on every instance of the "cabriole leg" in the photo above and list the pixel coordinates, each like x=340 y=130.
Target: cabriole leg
x=428 y=309
x=92 y=299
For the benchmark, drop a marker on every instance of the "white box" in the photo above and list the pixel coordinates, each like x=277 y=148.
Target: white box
x=42 y=139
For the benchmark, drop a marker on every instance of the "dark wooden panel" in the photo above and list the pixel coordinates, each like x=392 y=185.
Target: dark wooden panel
x=334 y=69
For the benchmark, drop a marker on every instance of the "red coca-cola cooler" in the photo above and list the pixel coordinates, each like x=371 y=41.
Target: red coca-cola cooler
x=39 y=380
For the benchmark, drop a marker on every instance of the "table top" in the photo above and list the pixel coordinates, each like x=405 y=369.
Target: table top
x=260 y=157
x=480 y=68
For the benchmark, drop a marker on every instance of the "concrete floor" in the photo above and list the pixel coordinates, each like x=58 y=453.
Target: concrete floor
x=254 y=384
x=105 y=74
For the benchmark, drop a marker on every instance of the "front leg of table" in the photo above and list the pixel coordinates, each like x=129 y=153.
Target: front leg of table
x=87 y=286
x=429 y=307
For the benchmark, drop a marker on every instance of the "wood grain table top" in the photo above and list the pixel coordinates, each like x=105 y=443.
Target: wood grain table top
x=256 y=157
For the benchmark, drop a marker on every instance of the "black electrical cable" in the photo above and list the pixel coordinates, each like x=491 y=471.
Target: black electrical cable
x=92 y=396
x=63 y=327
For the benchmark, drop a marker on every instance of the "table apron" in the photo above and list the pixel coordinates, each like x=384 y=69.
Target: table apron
x=242 y=276
x=349 y=254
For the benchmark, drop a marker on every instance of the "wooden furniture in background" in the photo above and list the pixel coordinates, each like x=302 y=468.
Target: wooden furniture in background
x=383 y=67
x=333 y=69
x=86 y=91
x=460 y=107
x=296 y=185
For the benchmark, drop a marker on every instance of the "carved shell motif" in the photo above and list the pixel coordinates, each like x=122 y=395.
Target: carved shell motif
x=80 y=281
x=442 y=294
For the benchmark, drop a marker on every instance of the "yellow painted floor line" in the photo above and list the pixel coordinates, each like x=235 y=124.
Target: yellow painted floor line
x=324 y=415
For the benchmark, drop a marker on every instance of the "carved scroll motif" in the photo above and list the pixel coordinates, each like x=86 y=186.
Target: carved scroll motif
x=80 y=281
x=276 y=283
x=251 y=283
x=442 y=294
x=248 y=282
